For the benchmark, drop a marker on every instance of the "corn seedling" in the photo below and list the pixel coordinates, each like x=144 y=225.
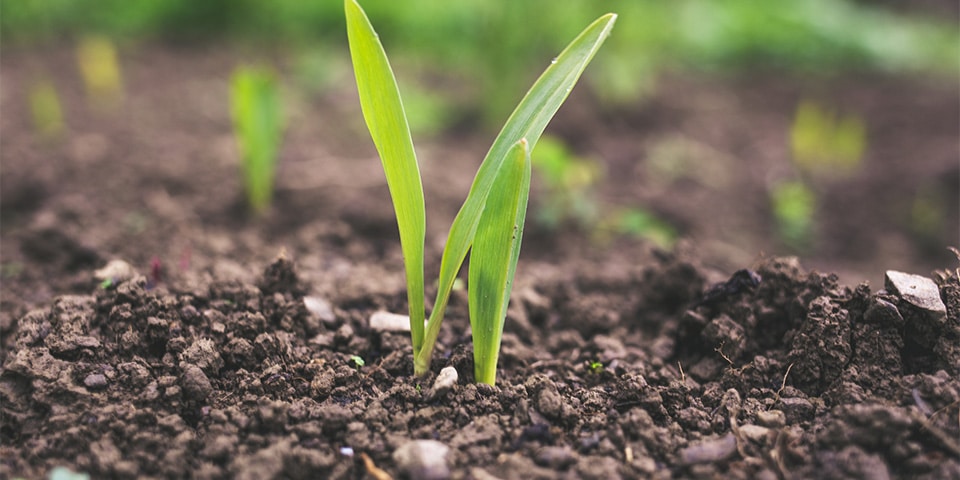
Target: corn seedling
x=568 y=182
x=794 y=205
x=258 y=126
x=640 y=223
x=823 y=142
x=490 y=221
x=100 y=69
x=45 y=109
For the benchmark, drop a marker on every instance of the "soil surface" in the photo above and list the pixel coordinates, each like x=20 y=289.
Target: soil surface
x=222 y=346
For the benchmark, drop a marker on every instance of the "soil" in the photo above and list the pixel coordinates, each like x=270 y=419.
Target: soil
x=227 y=346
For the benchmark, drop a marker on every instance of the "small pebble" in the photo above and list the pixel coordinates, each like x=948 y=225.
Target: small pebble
x=195 y=383
x=558 y=458
x=710 y=451
x=918 y=291
x=321 y=308
x=95 y=381
x=549 y=401
x=445 y=381
x=755 y=433
x=389 y=322
x=116 y=271
x=772 y=418
x=423 y=459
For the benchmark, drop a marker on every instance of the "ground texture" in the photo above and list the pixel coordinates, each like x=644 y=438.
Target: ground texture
x=224 y=346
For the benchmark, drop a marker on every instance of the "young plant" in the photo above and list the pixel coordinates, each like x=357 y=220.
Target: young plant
x=100 y=69
x=45 y=109
x=492 y=225
x=258 y=126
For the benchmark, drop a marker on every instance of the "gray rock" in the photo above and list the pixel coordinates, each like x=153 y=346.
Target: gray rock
x=771 y=418
x=116 y=271
x=710 y=451
x=321 y=308
x=549 y=401
x=921 y=292
x=196 y=386
x=95 y=381
x=389 y=322
x=558 y=458
x=423 y=459
x=445 y=381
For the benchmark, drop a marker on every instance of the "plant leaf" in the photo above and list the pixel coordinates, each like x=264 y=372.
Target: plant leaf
x=493 y=259
x=528 y=121
x=387 y=122
x=258 y=123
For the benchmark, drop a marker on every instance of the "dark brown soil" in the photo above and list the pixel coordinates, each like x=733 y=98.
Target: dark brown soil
x=618 y=360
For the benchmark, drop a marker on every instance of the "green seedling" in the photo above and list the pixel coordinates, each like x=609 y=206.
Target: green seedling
x=357 y=360
x=258 y=126
x=568 y=182
x=823 y=143
x=596 y=366
x=640 y=223
x=100 y=69
x=45 y=109
x=490 y=221
x=794 y=205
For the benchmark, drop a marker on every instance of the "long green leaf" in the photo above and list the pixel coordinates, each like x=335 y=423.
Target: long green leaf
x=528 y=121
x=387 y=122
x=493 y=259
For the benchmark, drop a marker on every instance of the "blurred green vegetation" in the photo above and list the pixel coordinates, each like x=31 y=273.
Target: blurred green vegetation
x=501 y=45
x=794 y=206
x=825 y=144
x=258 y=125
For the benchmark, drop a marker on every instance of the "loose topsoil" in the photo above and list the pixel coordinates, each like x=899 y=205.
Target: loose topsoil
x=228 y=346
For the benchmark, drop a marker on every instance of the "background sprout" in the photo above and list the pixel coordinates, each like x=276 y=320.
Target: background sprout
x=794 y=205
x=45 y=109
x=501 y=171
x=97 y=59
x=823 y=142
x=568 y=182
x=258 y=126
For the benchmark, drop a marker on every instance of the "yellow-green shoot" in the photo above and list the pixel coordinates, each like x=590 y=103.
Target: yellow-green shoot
x=100 y=69
x=258 y=126
x=492 y=225
x=45 y=109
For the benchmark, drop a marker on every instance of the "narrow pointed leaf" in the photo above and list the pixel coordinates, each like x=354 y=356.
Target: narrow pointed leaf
x=493 y=259
x=528 y=121
x=387 y=122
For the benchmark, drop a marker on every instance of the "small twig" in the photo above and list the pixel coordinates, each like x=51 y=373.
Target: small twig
x=683 y=376
x=719 y=350
x=783 y=384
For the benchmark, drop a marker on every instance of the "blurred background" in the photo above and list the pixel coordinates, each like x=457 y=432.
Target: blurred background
x=828 y=129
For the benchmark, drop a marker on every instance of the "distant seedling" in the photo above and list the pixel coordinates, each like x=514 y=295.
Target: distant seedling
x=45 y=109
x=490 y=222
x=569 y=183
x=824 y=143
x=100 y=69
x=825 y=146
x=258 y=126
x=794 y=205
